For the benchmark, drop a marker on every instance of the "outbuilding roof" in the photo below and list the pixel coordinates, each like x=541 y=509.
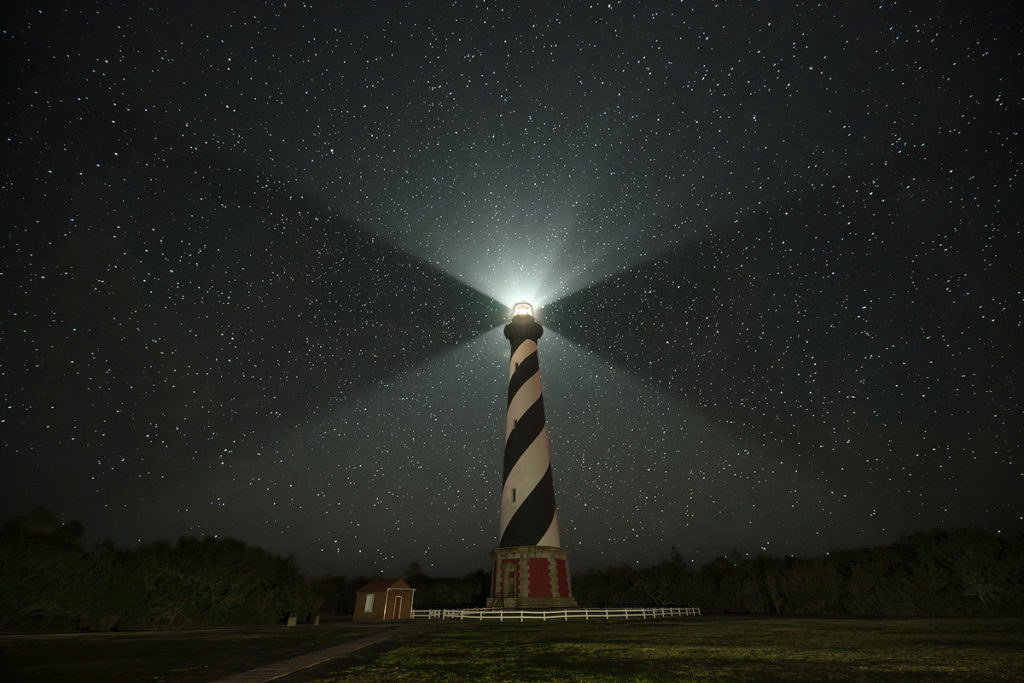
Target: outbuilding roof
x=379 y=585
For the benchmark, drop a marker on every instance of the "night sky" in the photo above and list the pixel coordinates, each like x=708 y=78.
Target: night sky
x=257 y=256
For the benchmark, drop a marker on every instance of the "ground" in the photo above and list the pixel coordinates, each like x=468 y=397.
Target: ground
x=696 y=648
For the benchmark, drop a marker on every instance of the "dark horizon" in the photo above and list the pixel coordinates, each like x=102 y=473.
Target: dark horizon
x=963 y=550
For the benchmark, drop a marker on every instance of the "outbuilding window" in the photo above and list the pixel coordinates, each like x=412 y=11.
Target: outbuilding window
x=368 y=607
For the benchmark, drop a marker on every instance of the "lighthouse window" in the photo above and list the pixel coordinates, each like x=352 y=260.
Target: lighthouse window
x=513 y=495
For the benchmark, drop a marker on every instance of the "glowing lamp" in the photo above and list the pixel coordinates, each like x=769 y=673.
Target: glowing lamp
x=522 y=308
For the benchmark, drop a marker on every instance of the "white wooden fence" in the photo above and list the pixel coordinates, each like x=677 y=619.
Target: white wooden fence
x=483 y=614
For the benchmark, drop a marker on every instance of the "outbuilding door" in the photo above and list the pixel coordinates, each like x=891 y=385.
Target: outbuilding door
x=396 y=611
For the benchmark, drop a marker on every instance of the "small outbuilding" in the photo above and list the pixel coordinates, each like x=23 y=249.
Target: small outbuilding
x=384 y=599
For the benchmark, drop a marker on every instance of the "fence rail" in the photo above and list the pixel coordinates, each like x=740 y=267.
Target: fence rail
x=483 y=614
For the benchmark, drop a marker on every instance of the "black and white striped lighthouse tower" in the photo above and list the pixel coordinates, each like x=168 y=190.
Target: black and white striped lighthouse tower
x=529 y=567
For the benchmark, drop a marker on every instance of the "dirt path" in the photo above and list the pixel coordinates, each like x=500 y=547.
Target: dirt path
x=285 y=667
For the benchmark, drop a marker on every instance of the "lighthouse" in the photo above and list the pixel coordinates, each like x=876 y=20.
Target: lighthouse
x=529 y=568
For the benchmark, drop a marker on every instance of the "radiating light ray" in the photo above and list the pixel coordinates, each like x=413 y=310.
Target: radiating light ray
x=693 y=472
x=357 y=478
x=540 y=253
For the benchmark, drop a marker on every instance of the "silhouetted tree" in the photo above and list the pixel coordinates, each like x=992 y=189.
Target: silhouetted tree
x=47 y=581
x=469 y=590
x=939 y=572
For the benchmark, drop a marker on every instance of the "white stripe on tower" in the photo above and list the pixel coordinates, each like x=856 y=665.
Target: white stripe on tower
x=527 y=395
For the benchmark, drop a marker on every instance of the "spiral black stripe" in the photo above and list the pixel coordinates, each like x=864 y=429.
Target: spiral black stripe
x=533 y=517
x=527 y=428
x=526 y=369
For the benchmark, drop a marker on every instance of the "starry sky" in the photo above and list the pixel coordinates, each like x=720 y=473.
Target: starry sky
x=257 y=256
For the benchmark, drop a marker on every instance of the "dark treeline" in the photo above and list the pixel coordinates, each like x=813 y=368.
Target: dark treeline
x=934 y=573
x=470 y=590
x=48 y=582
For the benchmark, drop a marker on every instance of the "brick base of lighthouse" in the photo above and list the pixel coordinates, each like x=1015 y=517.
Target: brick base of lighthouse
x=530 y=576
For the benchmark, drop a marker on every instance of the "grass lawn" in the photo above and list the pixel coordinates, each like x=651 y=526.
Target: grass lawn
x=695 y=649
x=188 y=656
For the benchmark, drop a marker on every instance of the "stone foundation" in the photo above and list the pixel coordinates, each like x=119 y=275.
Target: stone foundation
x=530 y=576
